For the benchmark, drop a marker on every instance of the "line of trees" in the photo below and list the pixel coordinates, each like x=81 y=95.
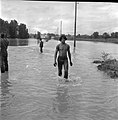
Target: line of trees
x=96 y=35
x=105 y=35
x=13 y=30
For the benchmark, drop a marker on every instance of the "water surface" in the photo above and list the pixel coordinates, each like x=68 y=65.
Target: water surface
x=31 y=91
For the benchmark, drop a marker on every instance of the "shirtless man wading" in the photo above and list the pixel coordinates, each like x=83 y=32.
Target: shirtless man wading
x=63 y=48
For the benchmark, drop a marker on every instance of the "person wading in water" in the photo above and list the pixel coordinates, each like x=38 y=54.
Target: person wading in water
x=4 y=43
x=41 y=45
x=63 y=48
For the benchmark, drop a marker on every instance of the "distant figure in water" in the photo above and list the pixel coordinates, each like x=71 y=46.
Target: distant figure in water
x=63 y=48
x=4 y=43
x=41 y=45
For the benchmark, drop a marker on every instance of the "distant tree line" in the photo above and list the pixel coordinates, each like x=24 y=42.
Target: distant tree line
x=105 y=35
x=95 y=35
x=13 y=30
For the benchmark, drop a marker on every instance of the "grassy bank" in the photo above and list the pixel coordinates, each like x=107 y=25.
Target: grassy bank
x=108 y=40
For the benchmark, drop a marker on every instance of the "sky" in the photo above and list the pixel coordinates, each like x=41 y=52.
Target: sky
x=46 y=16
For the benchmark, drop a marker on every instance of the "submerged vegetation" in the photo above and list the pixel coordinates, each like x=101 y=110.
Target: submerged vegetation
x=108 y=64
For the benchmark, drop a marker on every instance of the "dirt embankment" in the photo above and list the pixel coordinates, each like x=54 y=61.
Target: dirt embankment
x=109 y=66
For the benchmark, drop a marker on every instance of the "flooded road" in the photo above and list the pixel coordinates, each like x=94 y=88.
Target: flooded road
x=31 y=91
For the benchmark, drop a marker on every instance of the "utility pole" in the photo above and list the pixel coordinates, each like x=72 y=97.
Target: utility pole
x=75 y=24
x=60 y=28
x=57 y=32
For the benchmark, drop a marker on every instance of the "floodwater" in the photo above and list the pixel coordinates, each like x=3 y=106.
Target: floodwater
x=31 y=90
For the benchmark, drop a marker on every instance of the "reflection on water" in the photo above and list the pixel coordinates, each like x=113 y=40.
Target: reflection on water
x=74 y=50
x=6 y=95
x=61 y=104
x=18 y=42
x=5 y=84
x=30 y=91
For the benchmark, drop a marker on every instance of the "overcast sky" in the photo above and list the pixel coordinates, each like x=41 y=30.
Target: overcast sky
x=45 y=16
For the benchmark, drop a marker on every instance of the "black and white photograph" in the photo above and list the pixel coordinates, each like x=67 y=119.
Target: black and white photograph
x=59 y=60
